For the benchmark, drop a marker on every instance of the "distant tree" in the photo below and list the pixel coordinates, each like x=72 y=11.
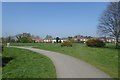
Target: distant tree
x=75 y=36
x=71 y=39
x=24 y=38
x=48 y=37
x=8 y=39
x=37 y=37
x=78 y=36
x=57 y=39
x=82 y=36
x=18 y=36
x=89 y=37
x=109 y=23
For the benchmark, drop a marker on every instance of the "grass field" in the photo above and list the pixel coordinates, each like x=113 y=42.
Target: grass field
x=27 y=64
x=105 y=59
x=0 y=62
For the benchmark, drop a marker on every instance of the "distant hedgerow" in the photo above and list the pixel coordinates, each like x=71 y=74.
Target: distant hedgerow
x=67 y=43
x=93 y=42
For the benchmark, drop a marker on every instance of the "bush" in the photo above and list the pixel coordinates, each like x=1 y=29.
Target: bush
x=1 y=48
x=95 y=43
x=82 y=41
x=67 y=43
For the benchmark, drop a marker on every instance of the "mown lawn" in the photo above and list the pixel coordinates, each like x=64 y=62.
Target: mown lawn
x=27 y=64
x=105 y=59
x=0 y=63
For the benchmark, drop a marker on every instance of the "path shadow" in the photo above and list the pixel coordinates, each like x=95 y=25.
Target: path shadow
x=4 y=61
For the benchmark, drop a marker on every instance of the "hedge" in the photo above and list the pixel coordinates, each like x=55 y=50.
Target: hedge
x=93 y=42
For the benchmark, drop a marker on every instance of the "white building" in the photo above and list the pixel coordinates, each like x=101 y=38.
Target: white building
x=54 y=41
x=47 y=40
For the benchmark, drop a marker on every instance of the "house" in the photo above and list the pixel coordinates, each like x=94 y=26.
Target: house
x=53 y=40
x=108 y=39
x=49 y=40
x=81 y=39
x=63 y=39
x=37 y=39
x=102 y=38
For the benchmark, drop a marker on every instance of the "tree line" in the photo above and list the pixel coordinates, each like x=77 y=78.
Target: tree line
x=22 y=38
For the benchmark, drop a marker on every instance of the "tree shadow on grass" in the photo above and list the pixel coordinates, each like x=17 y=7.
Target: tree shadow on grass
x=4 y=61
x=112 y=46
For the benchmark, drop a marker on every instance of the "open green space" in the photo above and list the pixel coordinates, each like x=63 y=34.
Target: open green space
x=27 y=64
x=0 y=63
x=105 y=59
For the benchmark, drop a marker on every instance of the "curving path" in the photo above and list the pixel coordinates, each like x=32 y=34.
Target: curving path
x=70 y=67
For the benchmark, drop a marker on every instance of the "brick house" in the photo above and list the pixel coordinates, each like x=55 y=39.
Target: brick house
x=37 y=39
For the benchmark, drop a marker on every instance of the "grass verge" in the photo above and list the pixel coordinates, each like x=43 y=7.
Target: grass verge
x=27 y=64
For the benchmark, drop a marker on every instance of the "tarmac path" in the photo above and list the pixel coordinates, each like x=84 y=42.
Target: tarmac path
x=69 y=67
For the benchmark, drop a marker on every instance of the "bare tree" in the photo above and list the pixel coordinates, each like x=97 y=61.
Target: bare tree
x=48 y=37
x=109 y=21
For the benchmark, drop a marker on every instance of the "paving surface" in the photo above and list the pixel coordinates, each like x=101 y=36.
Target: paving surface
x=70 y=67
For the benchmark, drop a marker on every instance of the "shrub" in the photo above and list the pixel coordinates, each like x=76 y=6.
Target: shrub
x=1 y=48
x=67 y=43
x=82 y=41
x=95 y=43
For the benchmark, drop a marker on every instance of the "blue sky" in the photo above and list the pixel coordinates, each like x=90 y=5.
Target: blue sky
x=0 y=19
x=56 y=19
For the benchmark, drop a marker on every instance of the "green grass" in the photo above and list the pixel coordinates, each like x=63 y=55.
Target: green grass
x=0 y=62
x=105 y=59
x=27 y=64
